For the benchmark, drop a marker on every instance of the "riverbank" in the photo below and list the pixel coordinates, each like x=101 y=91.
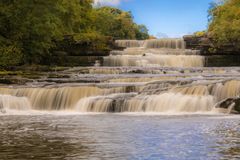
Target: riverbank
x=207 y=46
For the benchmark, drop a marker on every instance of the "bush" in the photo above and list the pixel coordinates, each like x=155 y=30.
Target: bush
x=10 y=56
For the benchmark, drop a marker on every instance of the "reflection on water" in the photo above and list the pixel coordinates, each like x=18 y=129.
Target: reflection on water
x=112 y=136
x=228 y=140
x=32 y=138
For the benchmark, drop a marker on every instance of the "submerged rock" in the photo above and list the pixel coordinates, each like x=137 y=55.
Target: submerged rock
x=2 y=109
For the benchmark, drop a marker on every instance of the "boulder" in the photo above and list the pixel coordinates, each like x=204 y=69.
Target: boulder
x=229 y=105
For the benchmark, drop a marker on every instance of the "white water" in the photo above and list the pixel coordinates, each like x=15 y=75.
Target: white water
x=157 y=53
x=152 y=60
x=189 y=99
x=129 y=43
x=171 y=90
x=165 y=43
x=171 y=103
x=174 y=43
x=14 y=103
x=64 y=98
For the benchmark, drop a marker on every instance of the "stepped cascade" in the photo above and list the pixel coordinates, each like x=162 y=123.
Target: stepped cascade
x=161 y=52
x=174 y=43
x=159 y=76
x=155 y=60
x=189 y=98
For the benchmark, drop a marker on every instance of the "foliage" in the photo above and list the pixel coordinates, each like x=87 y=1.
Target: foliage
x=152 y=37
x=10 y=55
x=224 y=23
x=200 y=33
x=118 y=24
x=29 y=24
x=141 y=32
x=93 y=40
x=31 y=29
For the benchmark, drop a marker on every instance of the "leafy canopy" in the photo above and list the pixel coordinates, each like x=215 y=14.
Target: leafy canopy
x=224 y=27
x=31 y=29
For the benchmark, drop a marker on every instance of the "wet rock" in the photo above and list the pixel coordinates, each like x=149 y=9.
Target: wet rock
x=5 y=81
x=206 y=45
x=201 y=43
x=58 y=76
x=118 y=101
x=130 y=89
x=116 y=105
x=137 y=71
x=230 y=105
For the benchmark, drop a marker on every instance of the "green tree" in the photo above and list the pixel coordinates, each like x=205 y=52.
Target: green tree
x=34 y=26
x=119 y=24
x=142 y=32
x=30 y=30
x=10 y=55
x=30 y=25
x=224 y=23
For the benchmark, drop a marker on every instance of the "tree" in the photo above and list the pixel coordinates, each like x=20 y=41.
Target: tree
x=224 y=23
x=119 y=24
x=34 y=26
x=30 y=30
x=142 y=32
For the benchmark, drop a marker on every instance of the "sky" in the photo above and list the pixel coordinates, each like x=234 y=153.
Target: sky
x=166 y=18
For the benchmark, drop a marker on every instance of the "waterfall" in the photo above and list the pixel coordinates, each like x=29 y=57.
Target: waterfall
x=157 y=51
x=148 y=76
x=64 y=98
x=54 y=98
x=152 y=60
x=220 y=91
x=193 y=98
x=169 y=52
x=165 y=43
x=170 y=102
x=151 y=103
x=129 y=43
x=173 y=43
x=110 y=103
x=225 y=90
x=14 y=103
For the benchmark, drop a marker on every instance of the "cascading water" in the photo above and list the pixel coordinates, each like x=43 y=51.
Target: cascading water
x=150 y=60
x=173 y=43
x=129 y=43
x=64 y=98
x=14 y=103
x=194 y=98
x=170 y=102
x=160 y=52
x=190 y=99
x=165 y=43
x=149 y=76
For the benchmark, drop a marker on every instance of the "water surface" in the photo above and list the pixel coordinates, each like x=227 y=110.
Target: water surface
x=119 y=136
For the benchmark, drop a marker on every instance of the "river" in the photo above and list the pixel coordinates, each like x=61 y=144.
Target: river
x=119 y=136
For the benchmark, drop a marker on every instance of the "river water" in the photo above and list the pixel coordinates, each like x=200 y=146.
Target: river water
x=119 y=136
